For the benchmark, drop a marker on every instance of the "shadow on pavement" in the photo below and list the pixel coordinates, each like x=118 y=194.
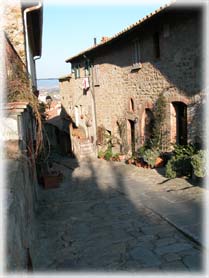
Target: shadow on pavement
x=96 y=222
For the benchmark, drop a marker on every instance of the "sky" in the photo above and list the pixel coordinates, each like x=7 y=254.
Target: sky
x=71 y=28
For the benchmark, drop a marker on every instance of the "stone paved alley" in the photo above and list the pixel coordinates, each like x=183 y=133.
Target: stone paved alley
x=102 y=218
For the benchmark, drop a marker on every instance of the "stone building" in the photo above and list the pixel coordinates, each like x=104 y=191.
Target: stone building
x=23 y=29
x=21 y=129
x=116 y=83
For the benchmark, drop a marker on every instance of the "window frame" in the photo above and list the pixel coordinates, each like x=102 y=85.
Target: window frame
x=136 y=52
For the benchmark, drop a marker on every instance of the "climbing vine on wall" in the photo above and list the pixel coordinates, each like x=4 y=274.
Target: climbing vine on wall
x=158 y=131
x=18 y=88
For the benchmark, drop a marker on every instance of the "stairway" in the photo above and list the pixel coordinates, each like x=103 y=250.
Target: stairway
x=83 y=148
x=86 y=148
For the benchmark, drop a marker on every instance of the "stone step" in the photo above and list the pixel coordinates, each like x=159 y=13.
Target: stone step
x=86 y=146
x=86 y=153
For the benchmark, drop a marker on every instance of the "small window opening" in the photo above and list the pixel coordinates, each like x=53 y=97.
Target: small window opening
x=156 y=44
x=131 y=105
x=136 y=52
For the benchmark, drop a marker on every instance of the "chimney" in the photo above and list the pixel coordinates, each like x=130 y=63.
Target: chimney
x=104 y=39
x=95 y=41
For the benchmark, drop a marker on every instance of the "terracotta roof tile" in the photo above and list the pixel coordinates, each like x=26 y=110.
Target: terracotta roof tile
x=124 y=30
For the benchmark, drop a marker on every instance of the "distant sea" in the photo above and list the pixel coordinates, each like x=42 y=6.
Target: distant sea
x=47 y=84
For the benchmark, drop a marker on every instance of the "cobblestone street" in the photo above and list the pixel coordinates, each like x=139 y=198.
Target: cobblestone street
x=99 y=220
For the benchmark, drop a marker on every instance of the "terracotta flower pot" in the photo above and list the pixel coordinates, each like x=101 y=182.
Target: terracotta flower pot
x=52 y=180
x=121 y=157
x=159 y=162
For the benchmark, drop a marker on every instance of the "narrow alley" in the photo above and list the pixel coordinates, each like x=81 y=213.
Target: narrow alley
x=98 y=220
x=104 y=138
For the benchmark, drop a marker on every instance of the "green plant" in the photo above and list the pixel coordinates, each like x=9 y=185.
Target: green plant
x=141 y=150
x=115 y=157
x=150 y=156
x=101 y=154
x=184 y=150
x=170 y=169
x=198 y=162
x=108 y=154
x=121 y=123
x=158 y=133
x=180 y=163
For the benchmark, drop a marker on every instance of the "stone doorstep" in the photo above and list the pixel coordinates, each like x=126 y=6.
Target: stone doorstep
x=89 y=144
x=86 y=155
x=86 y=150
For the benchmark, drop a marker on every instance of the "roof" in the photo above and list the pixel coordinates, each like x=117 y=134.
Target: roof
x=65 y=77
x=128 y=29
x=59 y=123
x=34 y=24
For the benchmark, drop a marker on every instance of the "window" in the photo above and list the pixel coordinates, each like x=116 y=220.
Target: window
x=136 y=52
x=77 y=71
x=87 y=68
x=156 y=45
x=131 y=105
x=96 y=75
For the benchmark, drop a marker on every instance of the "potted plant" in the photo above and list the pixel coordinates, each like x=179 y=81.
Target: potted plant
x=122 y=157
x=101 y=154
x=115 y=157
x=150 y=157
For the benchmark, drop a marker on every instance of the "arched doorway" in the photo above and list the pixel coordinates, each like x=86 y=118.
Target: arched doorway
x=147 y=125
x=131 y=135
x=76 y=116
x=131 y=105
x=179 y=123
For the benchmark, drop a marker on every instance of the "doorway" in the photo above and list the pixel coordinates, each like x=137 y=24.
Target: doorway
x=179 y=123
x=131 y=135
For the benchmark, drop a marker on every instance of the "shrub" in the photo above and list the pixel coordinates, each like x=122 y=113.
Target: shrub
x=158 y=132
x=184 y=150
x=141 y=150
x=150 y=156
x=108 y=154
x=170 y=172
x=101 y=154
x=198 y=162
x=180 y=163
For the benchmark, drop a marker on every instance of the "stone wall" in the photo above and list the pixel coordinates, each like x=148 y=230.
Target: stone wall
x=13 y=26
x=19 y=136
x=18 y=84
x=20 y=212
x=66 y=96
x=78 y=103
x=18 y=131
x=176 y=74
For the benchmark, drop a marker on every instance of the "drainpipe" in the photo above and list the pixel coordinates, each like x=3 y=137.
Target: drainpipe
x=93 y=103
x=94 y=108
x=27 y=10
x=36 y=58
